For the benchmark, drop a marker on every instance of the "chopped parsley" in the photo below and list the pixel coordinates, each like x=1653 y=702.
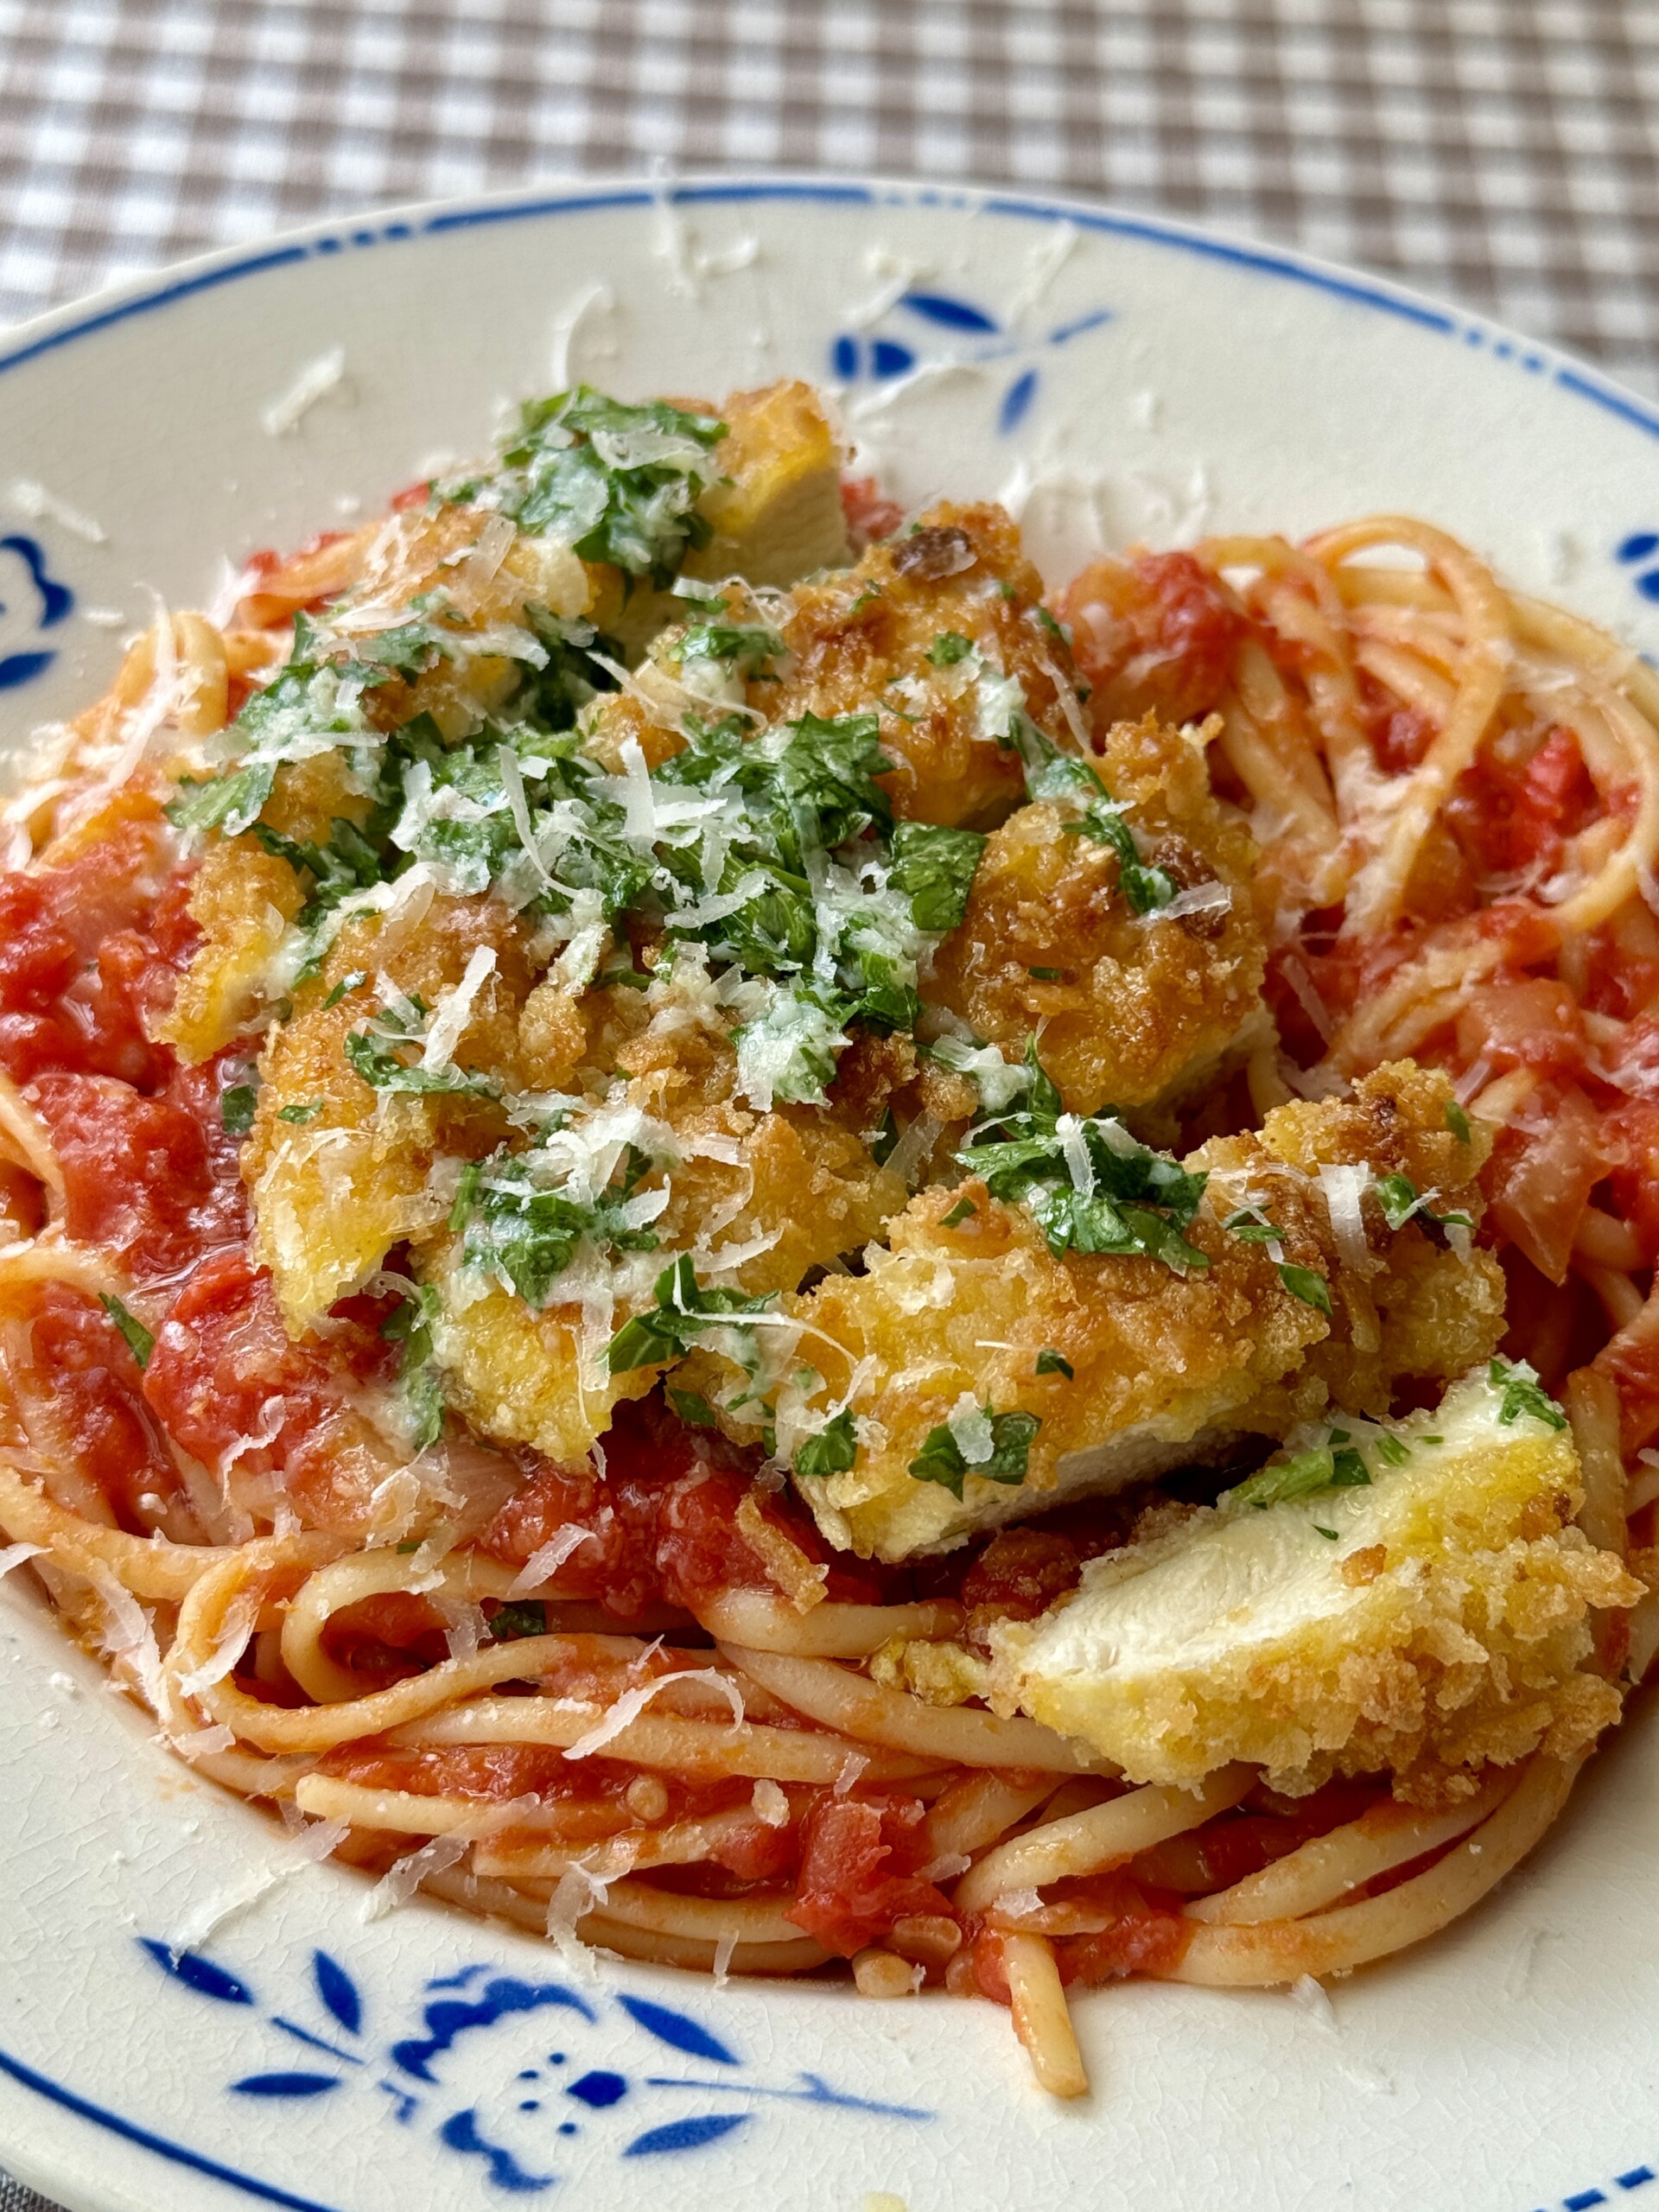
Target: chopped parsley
x=1145 y=888
x=1251 y=1226
x=1307 y=1285
x=935 y=867
x=236 y=1107
x=381 y=1069
x=1322 y=1468
x=1457 y=1121
x=1523 y=1394
x=1397 y=1196
x=1089 y=1185
x=1319 y=1530
x=139 y=1341
x=230 y=803
x=1050 y=1362
x=949 y=647
x=962 y=1211
x=1046 y=975
x=941 y=1458
x=616 y=483
x=683 y=1311
x=345 y=986
x=525 y=1232
x=832 y=1451
x=693 y=1408
x=523 y=1617
x=747 y=647
x=409 y=1324
x=301 y=1114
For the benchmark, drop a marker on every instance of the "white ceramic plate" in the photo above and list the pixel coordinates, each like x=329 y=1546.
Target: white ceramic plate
x=1146 y=381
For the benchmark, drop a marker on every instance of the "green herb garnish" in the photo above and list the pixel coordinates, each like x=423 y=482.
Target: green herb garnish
x=1050 y=1362
x=236 y=1109
x=1523 y=1394
x=832 y=1451
x=139 y=1341
x=683 y=1310
x=940 y=1459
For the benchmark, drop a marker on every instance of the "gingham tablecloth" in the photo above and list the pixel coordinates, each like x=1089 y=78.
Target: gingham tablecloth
x=1502 y=151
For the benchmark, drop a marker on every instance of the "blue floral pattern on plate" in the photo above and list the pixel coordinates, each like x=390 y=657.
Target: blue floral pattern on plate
x=493 y=2067
x=32 y=602
x=888 y=353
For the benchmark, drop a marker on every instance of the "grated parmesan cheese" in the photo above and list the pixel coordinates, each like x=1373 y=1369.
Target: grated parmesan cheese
x=542 y=1566
x=631 y=1703
x=454 y=1010
x=400 y=1881
x=33 y=501
x=314 y=381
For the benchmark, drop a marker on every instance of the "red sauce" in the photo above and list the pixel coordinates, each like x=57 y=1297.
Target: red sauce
x=86 y=950
x=225 y=1370
x=78 y=1393
x=1158 y=632
x=870 y=515
x=663 y=1523
x=1151 y=1935
x=858 y=1870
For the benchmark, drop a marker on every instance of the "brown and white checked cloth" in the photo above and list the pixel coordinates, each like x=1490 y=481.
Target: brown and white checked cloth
x=1505 y=152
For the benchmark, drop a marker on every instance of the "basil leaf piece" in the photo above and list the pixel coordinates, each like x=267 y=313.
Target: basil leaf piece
x=832 y=1451
x=139 y=1341
x=521 y=1617
x=682 y=1312
x=237 y=1105
x=409 y=1324
x=1523 y=1394
x=1050 y=1362
x=941 y=1460
x=1304 y=1283
x=935 y=868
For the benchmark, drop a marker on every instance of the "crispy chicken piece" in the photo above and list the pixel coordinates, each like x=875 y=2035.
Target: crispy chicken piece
x=351 y=1172
x=775 y=515
x=1165 y=1370
x=1425 y=1625
x=1134 y=1009
x=863 y=638
x=781 y=1193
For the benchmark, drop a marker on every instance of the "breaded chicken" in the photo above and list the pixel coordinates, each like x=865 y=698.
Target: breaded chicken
x=926 y=627
x=339 y=1172
x=1125 y=1367
x=1133 y=1009
x=1429 y=1617
x=774 y=514
x=760 y=1199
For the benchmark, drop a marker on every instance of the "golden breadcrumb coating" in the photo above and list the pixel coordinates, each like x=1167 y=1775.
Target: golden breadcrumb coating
x=1132 y=1009
x=862 y=638
x=1441 y=1625
x=1165 y=1369
x=334 y=1190
x=782 y=1192
x=243 y=901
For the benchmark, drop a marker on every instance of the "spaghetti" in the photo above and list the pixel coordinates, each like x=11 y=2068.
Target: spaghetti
x=628 y=1692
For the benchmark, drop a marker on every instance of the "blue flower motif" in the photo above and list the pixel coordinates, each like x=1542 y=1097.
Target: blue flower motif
x=883 y=356
x=477 y=2070
x=1636 y=551
x=31 y=601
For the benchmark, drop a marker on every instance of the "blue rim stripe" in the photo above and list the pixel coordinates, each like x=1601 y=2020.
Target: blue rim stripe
x=266 y=2191
x=283 y=257
x=1608 y=396
x=1332 y=282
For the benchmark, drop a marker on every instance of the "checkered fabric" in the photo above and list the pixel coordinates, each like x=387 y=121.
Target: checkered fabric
x=1502 y=151
x=1505 y=152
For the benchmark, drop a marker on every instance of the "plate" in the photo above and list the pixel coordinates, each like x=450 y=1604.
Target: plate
x=194 y=2017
